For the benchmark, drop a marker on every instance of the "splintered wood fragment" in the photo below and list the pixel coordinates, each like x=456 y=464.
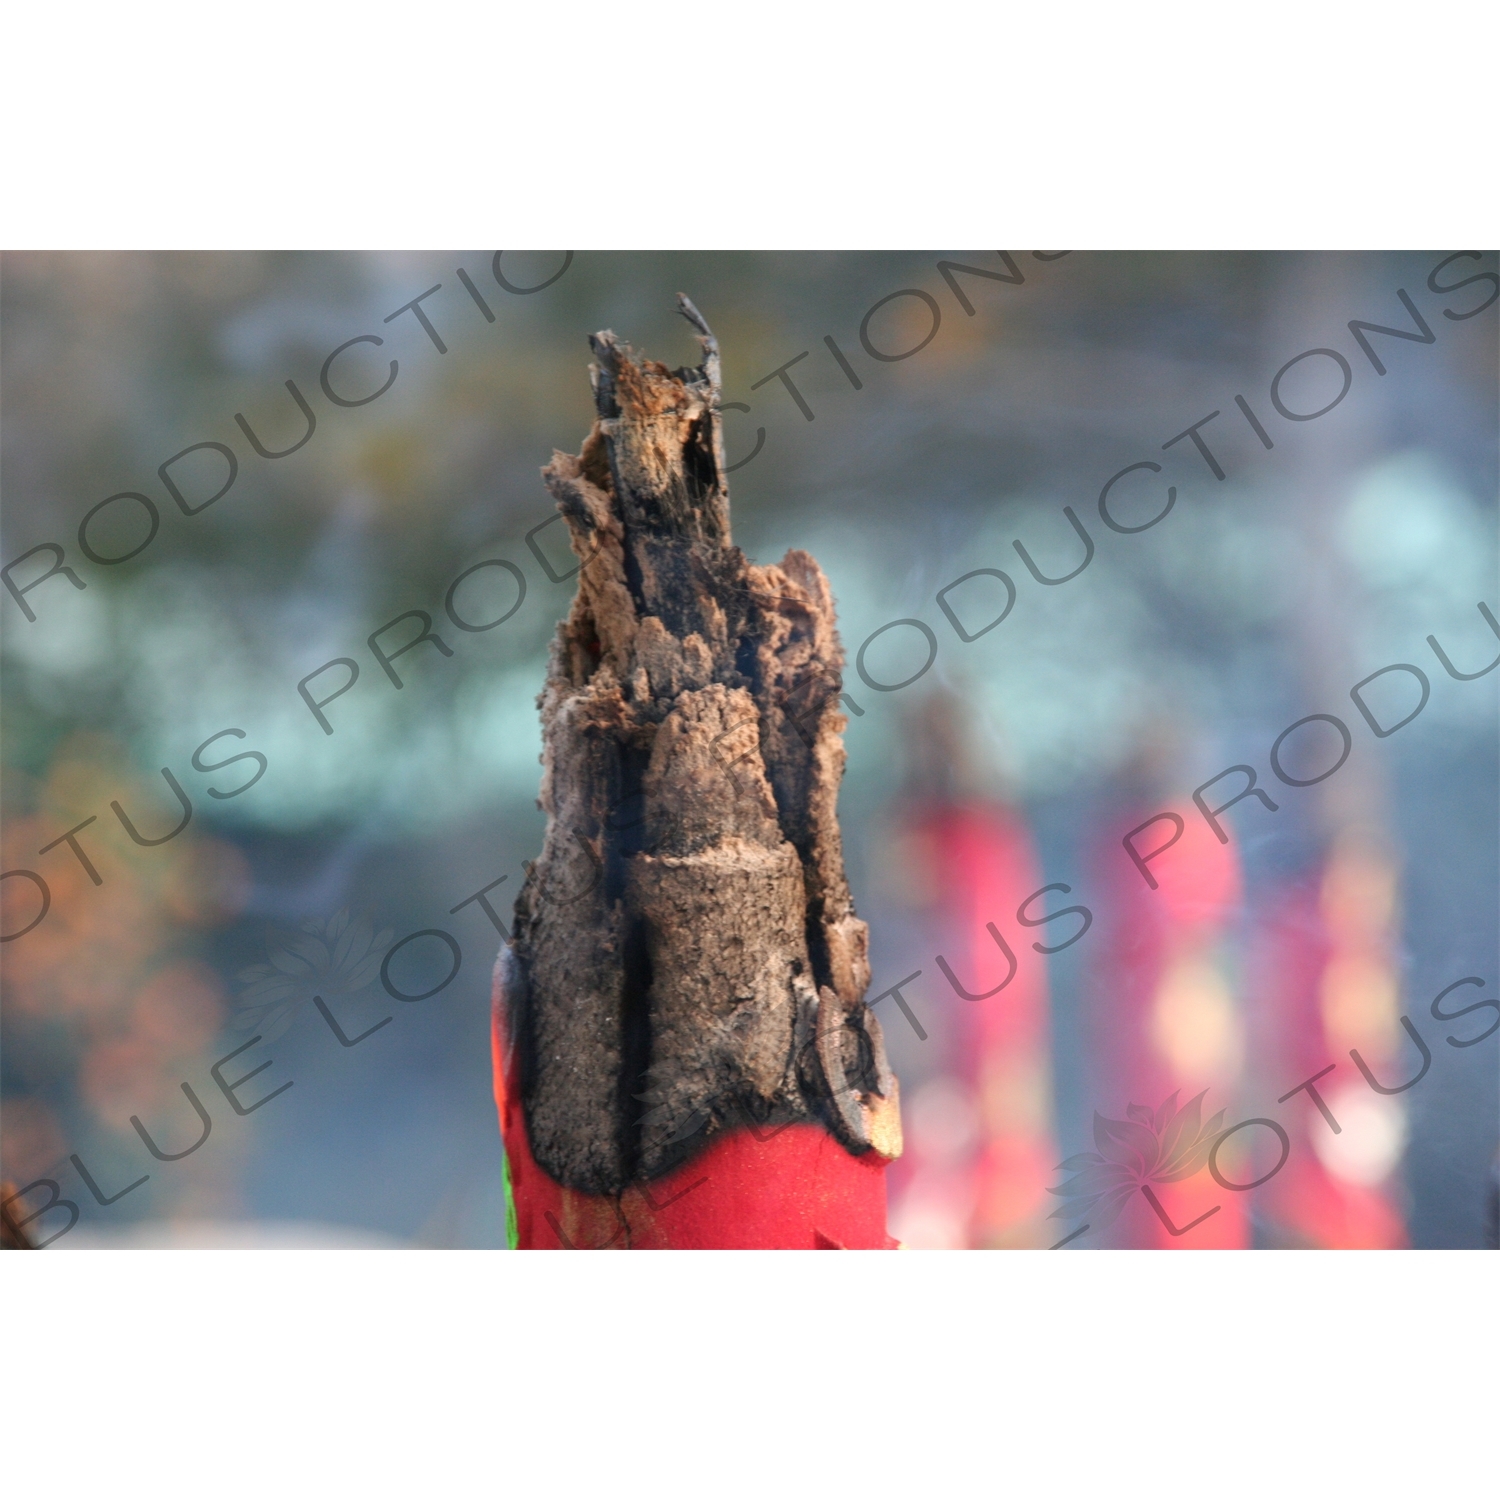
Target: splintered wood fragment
x=686 y=960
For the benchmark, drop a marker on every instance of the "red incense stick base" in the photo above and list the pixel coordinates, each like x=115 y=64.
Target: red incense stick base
x=786 y=1187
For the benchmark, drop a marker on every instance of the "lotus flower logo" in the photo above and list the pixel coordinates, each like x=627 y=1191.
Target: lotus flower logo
x=336 y=957
x=1166 y=1145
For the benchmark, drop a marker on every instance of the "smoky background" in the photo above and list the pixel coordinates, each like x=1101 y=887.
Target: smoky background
x=1177 y=652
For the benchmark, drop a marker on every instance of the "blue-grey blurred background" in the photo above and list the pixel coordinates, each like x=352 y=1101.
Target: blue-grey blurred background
x=1179 y=651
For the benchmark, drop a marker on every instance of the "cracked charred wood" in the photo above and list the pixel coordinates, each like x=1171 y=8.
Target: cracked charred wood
x=686 y=959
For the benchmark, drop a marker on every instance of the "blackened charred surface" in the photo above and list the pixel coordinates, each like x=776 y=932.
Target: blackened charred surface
x=668 y=572
x=515 y=995
x=602 y=375
x=817 y=945
x=744 y=658
x=635 y=577
x=693 y=754
x=701 y=472
x=625 y=830
x=636 y=1039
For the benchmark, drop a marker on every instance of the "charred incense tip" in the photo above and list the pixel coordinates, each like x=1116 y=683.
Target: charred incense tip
x=711 y=364
x=686 y=957
x=686 y=307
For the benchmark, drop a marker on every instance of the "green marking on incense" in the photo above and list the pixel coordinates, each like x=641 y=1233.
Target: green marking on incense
x=512 y=1229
